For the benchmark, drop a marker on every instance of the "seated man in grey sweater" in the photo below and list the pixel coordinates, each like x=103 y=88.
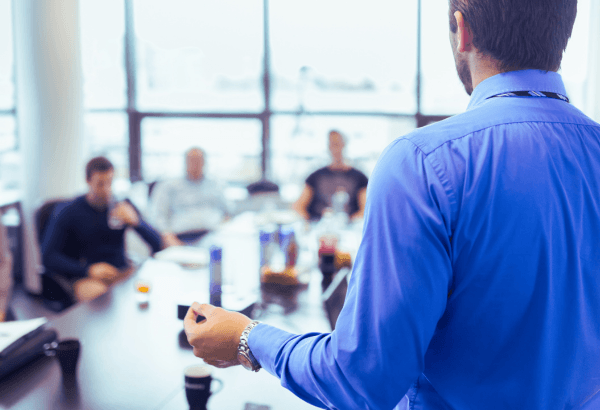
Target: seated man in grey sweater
x=184 y=209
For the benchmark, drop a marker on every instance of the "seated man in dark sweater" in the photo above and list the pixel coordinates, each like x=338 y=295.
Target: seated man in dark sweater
x=83 y=246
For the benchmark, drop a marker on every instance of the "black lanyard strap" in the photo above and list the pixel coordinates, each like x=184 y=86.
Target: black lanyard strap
x=542 y=94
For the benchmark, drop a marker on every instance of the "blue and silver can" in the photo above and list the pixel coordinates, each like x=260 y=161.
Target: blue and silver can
x=216 y=276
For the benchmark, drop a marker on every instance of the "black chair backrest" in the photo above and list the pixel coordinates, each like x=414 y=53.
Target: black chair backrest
x=262 y=186
x=43 y=214
x=151 y=186
x=335 y=295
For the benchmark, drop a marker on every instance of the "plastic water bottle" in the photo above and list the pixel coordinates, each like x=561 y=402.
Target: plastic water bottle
x=114 y=223
x=339 y=202
x=265 y=239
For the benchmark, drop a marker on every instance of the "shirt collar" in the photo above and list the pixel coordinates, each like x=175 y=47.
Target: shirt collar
x=524 y=80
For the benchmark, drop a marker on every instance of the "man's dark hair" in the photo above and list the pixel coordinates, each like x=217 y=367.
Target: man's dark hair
x=97 y=164
x=519 y=34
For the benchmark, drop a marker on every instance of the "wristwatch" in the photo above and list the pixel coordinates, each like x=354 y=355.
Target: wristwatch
x=245 y=356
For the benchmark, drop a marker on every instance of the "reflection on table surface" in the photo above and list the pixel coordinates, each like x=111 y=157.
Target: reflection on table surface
x=133 y=357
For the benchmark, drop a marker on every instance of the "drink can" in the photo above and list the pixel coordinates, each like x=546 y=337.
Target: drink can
x=216 y=276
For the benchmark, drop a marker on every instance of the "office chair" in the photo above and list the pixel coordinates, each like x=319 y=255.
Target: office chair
x=262 y=195
x=151 y=186
x=56 y=291
x=262 y=186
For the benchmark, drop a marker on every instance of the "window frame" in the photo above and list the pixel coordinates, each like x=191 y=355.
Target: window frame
x=136 y=116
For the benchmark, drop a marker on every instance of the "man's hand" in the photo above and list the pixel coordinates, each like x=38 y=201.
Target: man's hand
x=2 y=316
x=170 y=239
x=103 y=271
x=216 y=338
x=125 y=213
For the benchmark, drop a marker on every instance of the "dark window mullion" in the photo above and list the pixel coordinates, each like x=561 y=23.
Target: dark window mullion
x=135 y=140
x=266 y=115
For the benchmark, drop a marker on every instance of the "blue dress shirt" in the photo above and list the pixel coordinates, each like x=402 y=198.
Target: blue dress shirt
x=476 y=285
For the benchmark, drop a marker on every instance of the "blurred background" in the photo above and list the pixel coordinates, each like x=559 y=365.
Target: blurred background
x=256 y=83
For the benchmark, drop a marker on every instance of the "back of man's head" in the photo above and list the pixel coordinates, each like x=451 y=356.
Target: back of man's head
x=519 y=34
x=97 y=164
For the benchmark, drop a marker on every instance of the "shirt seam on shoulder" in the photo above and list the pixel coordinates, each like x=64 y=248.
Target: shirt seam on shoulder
x=496 y=125
x=448 y=189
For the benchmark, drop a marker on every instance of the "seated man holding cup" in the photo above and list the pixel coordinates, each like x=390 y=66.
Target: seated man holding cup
x=85 y=240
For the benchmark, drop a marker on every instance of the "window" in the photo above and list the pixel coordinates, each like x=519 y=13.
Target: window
x=198 y=80
x=199 y=56
x=106 y=134
x=442 y=93
x=10 y=159
x=8 y=135
x=102 y=52
x=575 y=59
x=7 y=87
x=232 y=147
x=342 y=55
x=106 y=130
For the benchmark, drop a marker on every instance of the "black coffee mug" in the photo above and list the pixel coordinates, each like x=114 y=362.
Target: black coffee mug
x=67 y=353
x=198 y=381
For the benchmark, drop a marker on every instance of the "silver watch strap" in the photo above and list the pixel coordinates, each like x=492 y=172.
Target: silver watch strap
x=245 y=349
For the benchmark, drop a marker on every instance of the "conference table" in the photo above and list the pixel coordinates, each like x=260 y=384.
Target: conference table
x=133 y=356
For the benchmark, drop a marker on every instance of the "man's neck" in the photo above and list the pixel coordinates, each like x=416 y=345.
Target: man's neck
x=482 y=68
x=195 y=179
x=94 y=203
x=338 y=165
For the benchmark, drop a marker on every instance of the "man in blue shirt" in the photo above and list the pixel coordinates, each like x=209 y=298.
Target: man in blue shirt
x=84 y=242
x=476 y=282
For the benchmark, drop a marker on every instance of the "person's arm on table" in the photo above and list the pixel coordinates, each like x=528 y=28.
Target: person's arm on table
x=301 y=205
x=362 y=202
x=397 y=293
x=150 y=235
x=170 y=239
x=160 y=213
x=127 y=214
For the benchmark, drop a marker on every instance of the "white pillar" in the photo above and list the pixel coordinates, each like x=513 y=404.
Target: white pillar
x=49 y=111
x=592 y=106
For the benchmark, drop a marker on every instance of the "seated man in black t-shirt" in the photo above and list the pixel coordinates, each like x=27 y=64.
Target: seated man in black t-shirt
x=80 y=243
x=335 y=184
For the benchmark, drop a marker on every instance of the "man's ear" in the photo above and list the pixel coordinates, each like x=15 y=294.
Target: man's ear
x=464 y=35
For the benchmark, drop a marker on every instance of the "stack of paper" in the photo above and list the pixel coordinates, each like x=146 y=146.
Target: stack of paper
x=187 y=256
x=12 y=333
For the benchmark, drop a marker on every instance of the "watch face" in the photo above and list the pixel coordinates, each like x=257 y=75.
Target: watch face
x=245 y=361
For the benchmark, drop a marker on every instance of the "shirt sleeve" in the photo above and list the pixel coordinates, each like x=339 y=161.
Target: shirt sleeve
x=361 y=179
x=150 y=235
x=54 y=241
x=223 y=203
x=311 y=181
x=396 y=295
x=160 y=207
